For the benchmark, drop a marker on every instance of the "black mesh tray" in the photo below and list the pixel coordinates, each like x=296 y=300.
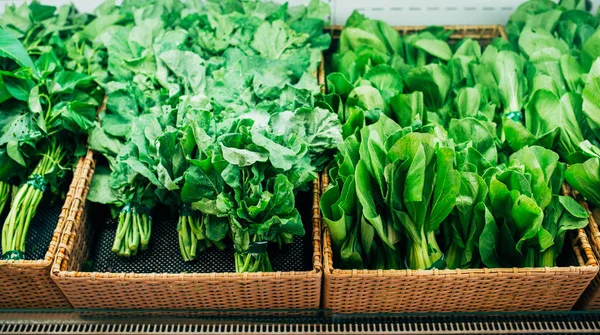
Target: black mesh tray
x=163 y=255
x=40 y=230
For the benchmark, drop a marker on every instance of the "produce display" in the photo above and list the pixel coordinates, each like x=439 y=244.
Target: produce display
x=48 y=102
x=455 y=154
x=205 y=113
x=209 y=115
x=441 y=153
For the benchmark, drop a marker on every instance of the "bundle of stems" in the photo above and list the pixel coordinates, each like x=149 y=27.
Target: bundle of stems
x=133 y=231
x=255 y=258
x=252 y=262
x=27 y=199
x=191 y=234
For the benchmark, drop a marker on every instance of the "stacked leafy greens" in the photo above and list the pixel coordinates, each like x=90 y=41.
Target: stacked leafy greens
x=584 y=176
x=563 y=43
x=48 y=104
x=453 y=156
x=210 y=111
x=449 y=154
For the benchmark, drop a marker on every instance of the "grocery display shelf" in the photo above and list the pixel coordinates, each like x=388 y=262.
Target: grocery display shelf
x=290 y=322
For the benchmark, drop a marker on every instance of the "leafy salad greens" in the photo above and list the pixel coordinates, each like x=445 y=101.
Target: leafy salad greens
x=448 y=154
x=210 y=111
x=454 y=155
x=48 y=102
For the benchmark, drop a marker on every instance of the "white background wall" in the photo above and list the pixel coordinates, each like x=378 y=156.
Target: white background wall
x=396 y=12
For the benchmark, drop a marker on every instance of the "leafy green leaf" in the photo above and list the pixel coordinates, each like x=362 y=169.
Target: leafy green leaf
x=12 y=148
x=585 y=179
x=18 y=88
x=10 y=47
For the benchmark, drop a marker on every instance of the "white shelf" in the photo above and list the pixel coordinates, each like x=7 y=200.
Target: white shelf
x=427 y=12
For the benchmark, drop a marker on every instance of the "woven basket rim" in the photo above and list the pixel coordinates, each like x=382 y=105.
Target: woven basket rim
x=461 y=30
x=67 y=240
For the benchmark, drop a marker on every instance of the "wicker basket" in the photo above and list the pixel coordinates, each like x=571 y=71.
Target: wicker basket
x=591 y=297
x=276 y=290
x=27 y=283
x=391 y=291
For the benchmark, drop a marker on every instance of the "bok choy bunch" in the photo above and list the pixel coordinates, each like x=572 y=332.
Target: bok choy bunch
x=479 y=125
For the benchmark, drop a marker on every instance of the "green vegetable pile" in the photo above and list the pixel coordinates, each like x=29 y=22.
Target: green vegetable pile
x=210 y=111
x=454 y=155
x=448 y=154
x=48 y=102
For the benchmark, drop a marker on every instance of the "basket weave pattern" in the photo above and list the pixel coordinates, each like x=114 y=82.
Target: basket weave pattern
x=277 y=290
x=27 y=283
x=389 y=291
x=483 y=33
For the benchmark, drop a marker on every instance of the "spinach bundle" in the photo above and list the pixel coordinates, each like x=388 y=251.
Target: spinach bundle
x=476 y=153
x=240 y=133
x=425 y=171
x=350 y=205
x=48 y=104
x=130 y=185
x=182 y=167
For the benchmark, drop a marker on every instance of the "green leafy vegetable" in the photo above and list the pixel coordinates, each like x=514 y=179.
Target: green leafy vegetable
x=48 y=102
x=211 y=111
x=453 y=155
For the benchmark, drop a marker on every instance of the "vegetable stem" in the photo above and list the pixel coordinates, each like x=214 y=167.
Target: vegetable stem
x=133 y=232
x=454 y=256
x=530 y=257
x=191 y=235
x=546 y=258
x=28 y=198
x=4 y=195
x=253 y=262
x=424 y=252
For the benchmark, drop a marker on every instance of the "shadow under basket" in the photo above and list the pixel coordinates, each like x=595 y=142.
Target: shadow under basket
x=26 y=283
x=468 y=290
x=194 y=286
